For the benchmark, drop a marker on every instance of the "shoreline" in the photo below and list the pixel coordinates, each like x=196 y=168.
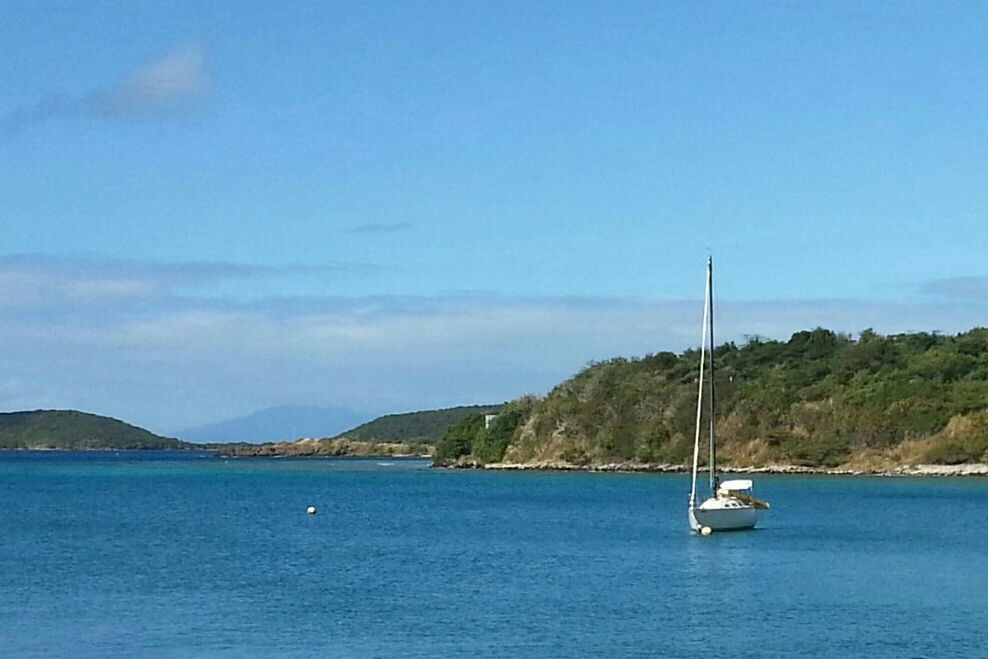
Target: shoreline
x=964 y=470
x=973 y=469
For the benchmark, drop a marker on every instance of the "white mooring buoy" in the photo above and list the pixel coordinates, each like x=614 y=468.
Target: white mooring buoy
x=311 y=510
x=706 y=530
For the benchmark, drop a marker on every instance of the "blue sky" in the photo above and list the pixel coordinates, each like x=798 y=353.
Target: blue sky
x=206 y=210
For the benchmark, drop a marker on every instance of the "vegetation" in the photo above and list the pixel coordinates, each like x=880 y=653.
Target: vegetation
x=476 y=439
x=818 y=399
x=423 y=427
x=67 y=429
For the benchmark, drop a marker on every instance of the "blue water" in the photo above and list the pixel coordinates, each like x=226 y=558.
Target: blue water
x=157 y=554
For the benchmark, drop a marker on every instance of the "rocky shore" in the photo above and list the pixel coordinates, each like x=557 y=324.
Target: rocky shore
x=305 y=448
x=345 y=447
x=974 y=469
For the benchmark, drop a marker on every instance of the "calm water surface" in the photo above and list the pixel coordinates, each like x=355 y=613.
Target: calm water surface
x=154 y=554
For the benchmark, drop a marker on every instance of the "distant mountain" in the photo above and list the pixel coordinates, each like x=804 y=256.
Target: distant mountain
x=276 y=423
x=68 y=429
x=426 y=426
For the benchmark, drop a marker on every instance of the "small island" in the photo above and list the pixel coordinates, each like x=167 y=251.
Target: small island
x=78 y=431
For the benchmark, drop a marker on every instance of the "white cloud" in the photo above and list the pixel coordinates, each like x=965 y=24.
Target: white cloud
x=154 y=353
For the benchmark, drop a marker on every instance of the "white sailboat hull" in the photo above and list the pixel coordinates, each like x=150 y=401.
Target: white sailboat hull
x=720 y=518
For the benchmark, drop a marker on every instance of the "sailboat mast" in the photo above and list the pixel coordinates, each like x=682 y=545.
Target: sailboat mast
x=699 y=393
x=710 y=317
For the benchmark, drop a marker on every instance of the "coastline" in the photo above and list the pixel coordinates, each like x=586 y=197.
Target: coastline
x=965 y=470
x=338 y=449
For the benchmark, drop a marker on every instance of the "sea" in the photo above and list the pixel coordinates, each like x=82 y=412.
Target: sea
x=175 y=554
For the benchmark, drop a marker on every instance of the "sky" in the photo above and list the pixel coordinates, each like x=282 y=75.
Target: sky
x=210 y=208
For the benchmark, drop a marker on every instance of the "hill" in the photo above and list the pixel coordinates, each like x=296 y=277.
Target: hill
x=274 y=423
x=422 y=427
x=68 y=429
x=818 y=399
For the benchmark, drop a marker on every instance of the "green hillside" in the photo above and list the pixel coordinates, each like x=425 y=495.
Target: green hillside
x=68 y=429
x=819 y=399
x=424 y=427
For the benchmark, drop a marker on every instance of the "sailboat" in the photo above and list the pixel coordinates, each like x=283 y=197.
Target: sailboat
x=731 y=505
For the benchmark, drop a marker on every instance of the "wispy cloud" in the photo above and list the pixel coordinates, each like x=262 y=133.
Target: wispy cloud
x=960 y=288
x=45 y=282
x=393 y=227
x=175 y=83
x=170 y=83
